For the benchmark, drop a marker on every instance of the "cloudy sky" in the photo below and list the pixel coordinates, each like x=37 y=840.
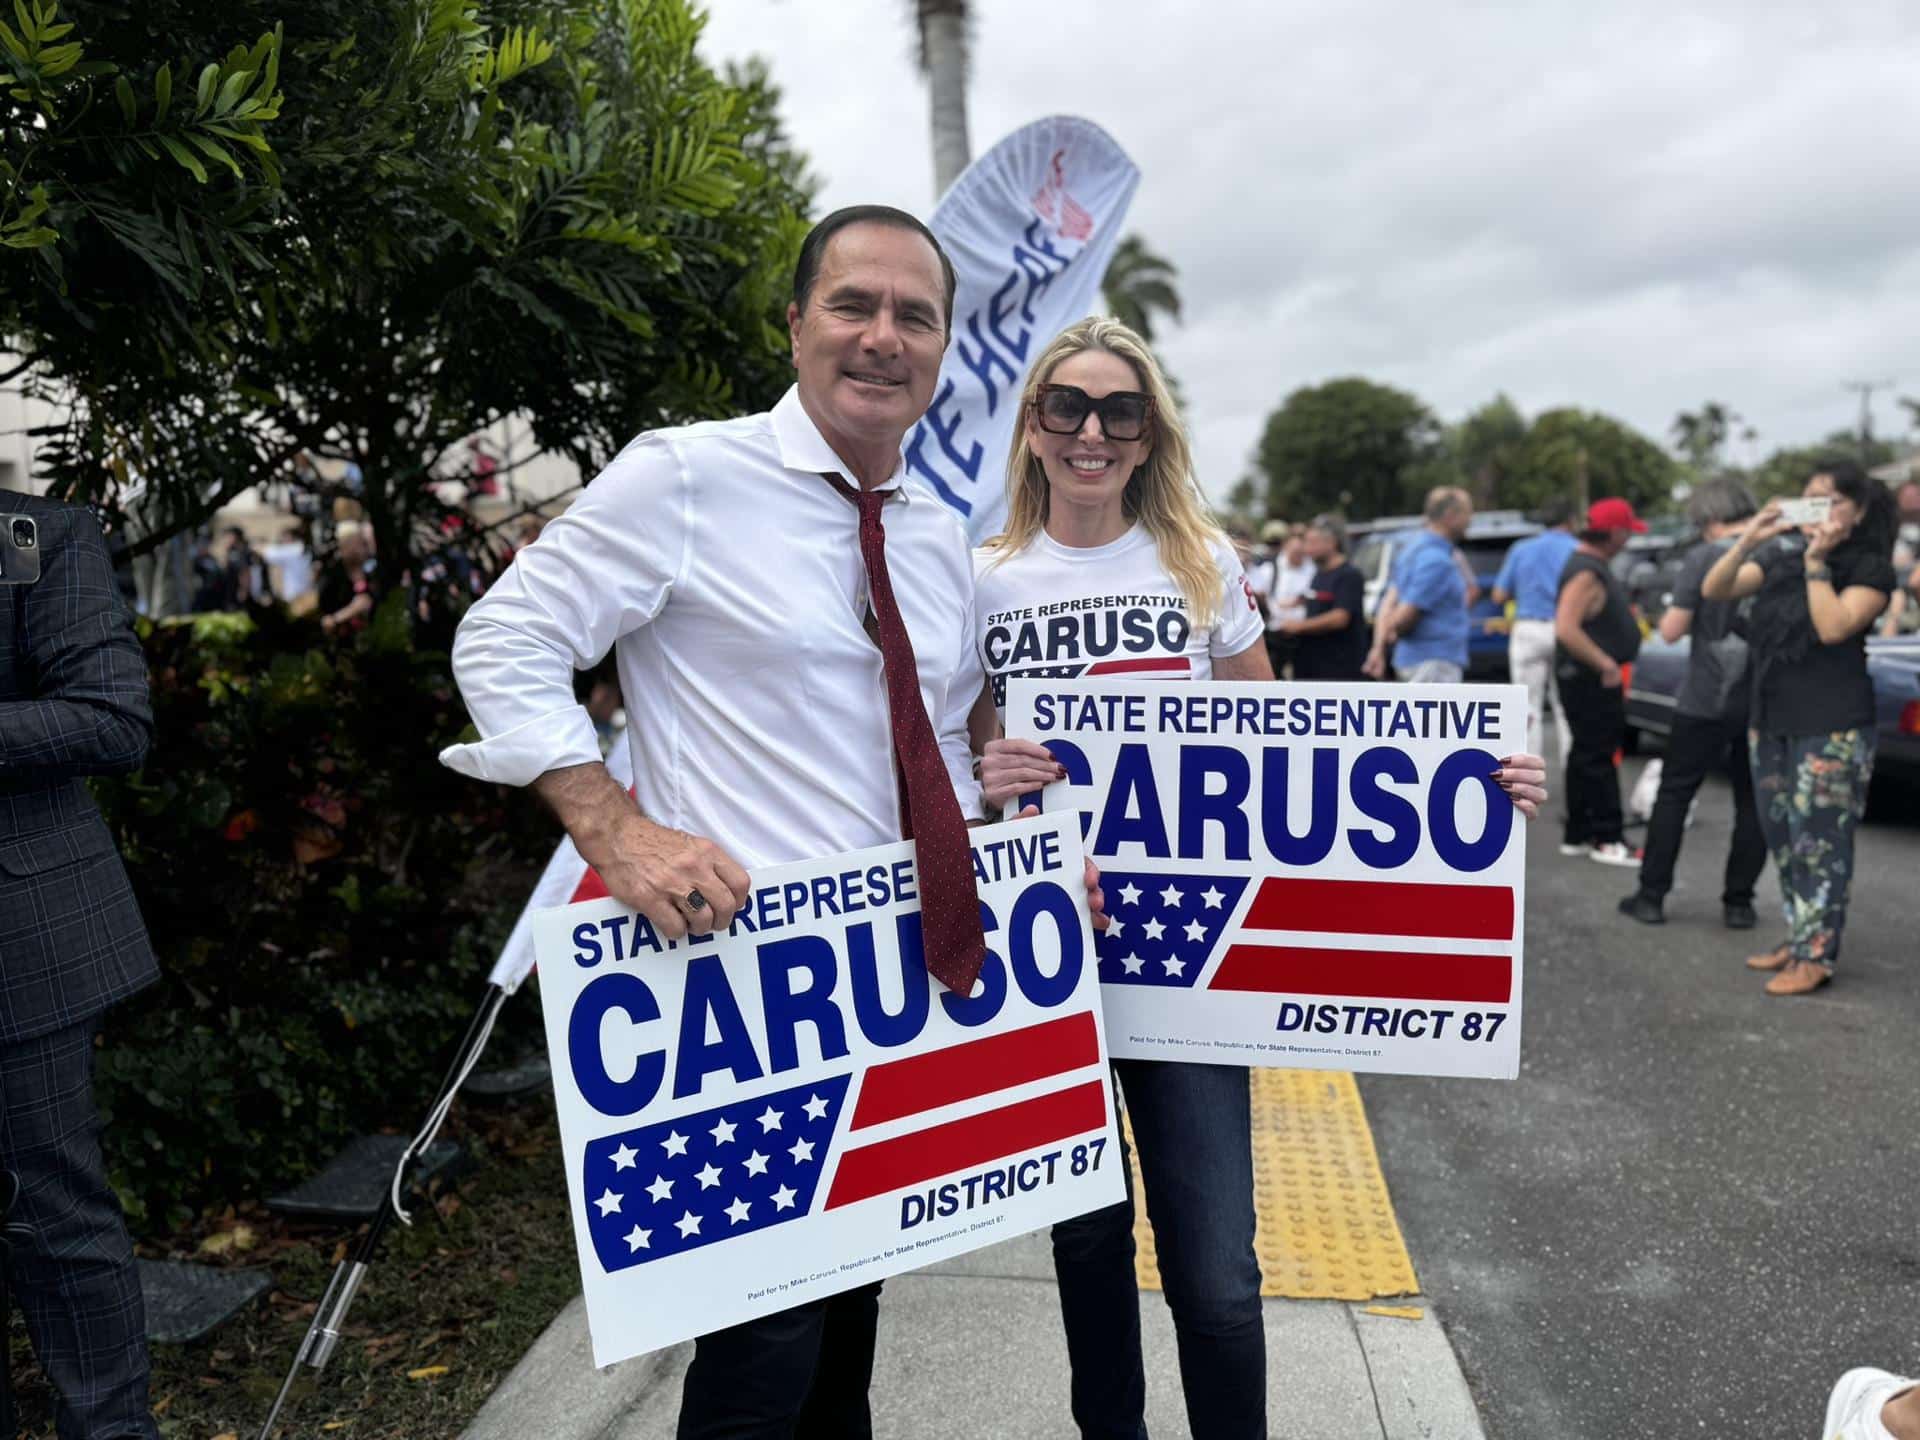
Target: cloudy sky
x=1629 y=206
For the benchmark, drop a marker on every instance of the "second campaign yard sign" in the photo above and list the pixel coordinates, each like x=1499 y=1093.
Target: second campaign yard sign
x=794 y=1108
x=1318 y=876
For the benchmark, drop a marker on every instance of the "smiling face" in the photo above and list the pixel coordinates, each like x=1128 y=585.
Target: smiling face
x=867 y=347
x=1087 y=468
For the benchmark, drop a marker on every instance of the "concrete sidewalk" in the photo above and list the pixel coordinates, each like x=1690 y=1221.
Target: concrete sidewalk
x=1333 y=1371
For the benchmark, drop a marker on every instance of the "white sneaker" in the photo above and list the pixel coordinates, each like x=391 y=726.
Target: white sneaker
x=1566 y=849
x=1614 y=852
x=1853 y=1410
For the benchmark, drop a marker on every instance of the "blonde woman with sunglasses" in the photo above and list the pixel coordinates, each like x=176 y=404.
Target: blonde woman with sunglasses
x=1104 y=515
x=1110 y=565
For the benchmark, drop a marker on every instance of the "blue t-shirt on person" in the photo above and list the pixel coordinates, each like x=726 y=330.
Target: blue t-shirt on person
x=1531 y=573
x=1427 y=578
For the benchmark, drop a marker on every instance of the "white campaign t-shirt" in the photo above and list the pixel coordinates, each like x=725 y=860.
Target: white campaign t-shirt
x=1058 y=613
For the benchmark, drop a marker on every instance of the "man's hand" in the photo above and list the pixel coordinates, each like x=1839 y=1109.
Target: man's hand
x=654 y=869
x=1375 y=665
x=1096 y=901
x=1524 y=778
x=646 y=866
x=1012 y=768
x=1609 y=673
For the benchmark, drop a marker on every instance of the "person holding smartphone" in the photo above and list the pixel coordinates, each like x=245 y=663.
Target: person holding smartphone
x=1817 y=588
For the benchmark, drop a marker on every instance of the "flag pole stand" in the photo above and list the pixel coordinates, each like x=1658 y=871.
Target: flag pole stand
x=329 y=1320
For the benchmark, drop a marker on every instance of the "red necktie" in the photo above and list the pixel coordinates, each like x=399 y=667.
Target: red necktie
x=951 y=933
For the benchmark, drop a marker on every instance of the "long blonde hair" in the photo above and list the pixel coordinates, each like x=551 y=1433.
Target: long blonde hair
x=1162 y=493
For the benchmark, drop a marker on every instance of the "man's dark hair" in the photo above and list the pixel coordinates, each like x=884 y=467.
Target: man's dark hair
x=807 y=269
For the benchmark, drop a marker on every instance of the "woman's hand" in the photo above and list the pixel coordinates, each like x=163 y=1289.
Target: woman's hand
x=1096 y=901
x=1822 y=538
x=1524 y=778
x=1762 y=528
x=1012 y=768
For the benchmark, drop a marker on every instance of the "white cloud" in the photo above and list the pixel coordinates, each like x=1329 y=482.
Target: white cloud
x=1632 y=207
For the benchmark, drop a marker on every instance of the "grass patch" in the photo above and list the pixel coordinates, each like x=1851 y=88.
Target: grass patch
x=446 y=1310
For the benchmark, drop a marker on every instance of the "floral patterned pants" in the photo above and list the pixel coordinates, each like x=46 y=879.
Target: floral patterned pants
x=1812 y=791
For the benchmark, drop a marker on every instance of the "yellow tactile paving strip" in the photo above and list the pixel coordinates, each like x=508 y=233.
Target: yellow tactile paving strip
x=1326 y=1228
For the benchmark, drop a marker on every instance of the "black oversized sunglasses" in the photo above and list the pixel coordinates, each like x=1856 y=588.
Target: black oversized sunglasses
x=1062 y=410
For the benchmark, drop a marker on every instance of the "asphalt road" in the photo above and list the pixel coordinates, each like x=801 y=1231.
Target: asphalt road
x=1698 y=1205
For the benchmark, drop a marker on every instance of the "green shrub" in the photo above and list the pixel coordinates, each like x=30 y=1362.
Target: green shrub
x=324 y=896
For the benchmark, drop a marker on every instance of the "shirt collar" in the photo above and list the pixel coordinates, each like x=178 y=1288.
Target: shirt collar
x=803 y=447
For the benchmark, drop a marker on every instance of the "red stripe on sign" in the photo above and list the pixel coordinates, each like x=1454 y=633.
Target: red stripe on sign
x=1384 y=907
x=960 y=1072
x=962 y=1144
x=1375 y=974
x=1139 y=667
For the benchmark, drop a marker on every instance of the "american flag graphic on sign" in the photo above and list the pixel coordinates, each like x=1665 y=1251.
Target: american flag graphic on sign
x=709 y=1176
x=1182 y=929
x=1162 y=929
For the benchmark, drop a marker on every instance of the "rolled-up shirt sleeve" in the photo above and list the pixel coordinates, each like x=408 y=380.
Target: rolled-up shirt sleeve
x=602 y=570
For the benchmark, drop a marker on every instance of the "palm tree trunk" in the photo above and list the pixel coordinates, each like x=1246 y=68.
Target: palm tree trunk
x=944 y=33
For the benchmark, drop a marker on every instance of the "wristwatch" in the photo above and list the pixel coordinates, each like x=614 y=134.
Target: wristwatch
x=1818 y=571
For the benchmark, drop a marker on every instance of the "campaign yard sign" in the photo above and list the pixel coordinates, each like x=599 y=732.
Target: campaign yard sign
x=794 y=1108
x=1318 y=876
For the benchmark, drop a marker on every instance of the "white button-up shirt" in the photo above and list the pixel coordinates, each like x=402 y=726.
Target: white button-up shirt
x=724 y=572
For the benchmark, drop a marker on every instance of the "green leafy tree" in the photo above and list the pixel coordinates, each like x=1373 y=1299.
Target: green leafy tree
x=1701 y=436
x=1348 y=445
x=1139 y=285
x=1581 y=455
x=1486 y=446
x=446 y=213
x=1786 y=470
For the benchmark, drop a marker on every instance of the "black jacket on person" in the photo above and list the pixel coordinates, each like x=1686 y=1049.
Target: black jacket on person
x=73 y=703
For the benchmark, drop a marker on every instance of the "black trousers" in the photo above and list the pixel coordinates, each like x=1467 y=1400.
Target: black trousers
x=71 y=1265
x=799 y=1375
x=1696 y=747
x=1597 y=716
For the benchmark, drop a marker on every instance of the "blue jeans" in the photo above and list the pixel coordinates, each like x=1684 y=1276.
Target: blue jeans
x=1193 y=1124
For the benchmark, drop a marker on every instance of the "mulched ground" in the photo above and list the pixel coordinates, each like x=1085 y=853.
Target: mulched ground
x=448 y=1308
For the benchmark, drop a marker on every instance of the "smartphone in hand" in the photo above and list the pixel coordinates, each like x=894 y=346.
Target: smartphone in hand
x=19 y=550
x=1812 y=510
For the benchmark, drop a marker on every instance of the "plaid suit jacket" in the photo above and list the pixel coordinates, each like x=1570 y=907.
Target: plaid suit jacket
x=73 y=702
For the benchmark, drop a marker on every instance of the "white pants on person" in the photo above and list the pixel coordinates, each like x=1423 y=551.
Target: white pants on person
x=1530 y=658
x=1430 y=672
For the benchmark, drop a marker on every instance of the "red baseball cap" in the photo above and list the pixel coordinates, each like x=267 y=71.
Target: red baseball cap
x=1614 y=514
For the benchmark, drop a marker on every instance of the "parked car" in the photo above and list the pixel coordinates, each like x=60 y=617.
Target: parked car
x=1893 y=663
x=1650 y=565
x=1377 y=542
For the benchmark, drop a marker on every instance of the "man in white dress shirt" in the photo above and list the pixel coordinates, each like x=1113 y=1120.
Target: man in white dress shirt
x=721 y=565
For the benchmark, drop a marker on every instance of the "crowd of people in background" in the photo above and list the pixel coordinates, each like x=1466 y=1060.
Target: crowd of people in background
x=1777 y=694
